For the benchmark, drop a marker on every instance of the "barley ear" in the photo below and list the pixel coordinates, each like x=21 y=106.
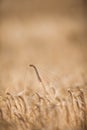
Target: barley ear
x=39 y=77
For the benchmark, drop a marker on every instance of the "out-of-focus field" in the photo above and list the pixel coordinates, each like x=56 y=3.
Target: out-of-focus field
x=49 y=34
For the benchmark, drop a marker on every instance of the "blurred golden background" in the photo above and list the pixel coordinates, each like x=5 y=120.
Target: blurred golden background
x=50 y=34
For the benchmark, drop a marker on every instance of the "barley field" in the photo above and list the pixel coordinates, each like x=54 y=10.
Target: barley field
x=43 y=65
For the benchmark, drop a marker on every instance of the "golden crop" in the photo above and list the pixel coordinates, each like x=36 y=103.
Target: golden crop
x=47 y=111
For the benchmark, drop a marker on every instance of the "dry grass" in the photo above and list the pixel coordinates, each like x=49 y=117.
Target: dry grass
x=46 y=111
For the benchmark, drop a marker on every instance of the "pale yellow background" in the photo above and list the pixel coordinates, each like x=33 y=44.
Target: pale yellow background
x=50 y=34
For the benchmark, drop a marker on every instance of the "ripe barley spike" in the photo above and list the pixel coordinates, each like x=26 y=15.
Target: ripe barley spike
x=39 y=78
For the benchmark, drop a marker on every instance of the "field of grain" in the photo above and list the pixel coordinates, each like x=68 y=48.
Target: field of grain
x=43 y=72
